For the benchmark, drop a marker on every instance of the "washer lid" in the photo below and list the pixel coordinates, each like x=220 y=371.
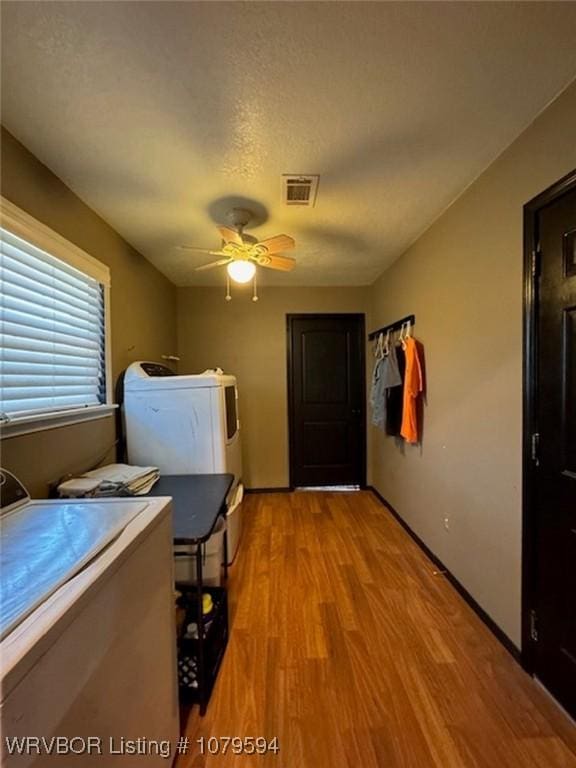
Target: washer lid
x=136 y=379
x=45 y=543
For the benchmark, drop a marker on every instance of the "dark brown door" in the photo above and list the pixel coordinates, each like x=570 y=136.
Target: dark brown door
x=327 y=400
x=555 y=451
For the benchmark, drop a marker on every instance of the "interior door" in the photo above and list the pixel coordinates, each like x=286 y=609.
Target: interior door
x=554 y=635
x=327 y=400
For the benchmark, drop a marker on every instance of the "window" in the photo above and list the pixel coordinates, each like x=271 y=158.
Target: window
x=53 y=310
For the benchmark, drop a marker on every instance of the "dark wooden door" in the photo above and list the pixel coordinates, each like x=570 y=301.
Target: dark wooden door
x=554 y=634
x=327 y=400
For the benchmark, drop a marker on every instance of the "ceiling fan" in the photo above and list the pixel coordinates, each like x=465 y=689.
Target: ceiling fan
x=241 y=253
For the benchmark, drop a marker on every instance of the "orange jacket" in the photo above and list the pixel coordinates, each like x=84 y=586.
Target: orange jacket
x=412 y=388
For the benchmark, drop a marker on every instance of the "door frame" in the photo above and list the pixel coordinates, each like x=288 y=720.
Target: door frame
x=529 y=395
x=361 y=318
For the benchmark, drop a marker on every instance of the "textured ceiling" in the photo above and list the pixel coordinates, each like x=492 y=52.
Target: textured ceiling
x=159 y=114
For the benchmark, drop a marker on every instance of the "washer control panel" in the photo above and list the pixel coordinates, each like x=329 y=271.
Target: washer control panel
x=12 y=492
x=156 y=369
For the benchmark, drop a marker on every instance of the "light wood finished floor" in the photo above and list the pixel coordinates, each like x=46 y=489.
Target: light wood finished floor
x=347 y=647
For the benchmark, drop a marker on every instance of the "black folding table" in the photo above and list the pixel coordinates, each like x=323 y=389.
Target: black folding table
x=197 y=503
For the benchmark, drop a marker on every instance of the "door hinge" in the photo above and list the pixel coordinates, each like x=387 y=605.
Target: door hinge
x=536 y=254
x=533 y=626
x=534 y=446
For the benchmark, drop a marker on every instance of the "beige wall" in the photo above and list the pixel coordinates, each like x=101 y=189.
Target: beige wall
x=463 y=280
x=249 y=340
x=143 y=312
x=41 y=458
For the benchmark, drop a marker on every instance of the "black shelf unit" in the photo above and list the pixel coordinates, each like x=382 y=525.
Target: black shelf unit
x=198 y=501
x=204 y=653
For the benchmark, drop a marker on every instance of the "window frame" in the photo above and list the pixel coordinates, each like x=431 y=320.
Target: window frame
x=23 y=225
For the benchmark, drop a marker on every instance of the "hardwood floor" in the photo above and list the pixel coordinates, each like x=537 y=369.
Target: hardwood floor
x=347 y=647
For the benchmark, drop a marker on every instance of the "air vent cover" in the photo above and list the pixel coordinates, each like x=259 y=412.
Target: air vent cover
x=299 y=190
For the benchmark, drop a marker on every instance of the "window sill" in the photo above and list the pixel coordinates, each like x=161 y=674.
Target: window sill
x=38 y=423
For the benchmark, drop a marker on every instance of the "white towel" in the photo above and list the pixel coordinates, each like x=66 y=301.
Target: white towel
x=111 y=480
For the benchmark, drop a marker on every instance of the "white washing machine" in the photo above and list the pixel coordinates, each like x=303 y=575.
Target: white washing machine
x=186 y=424
x=88 y=641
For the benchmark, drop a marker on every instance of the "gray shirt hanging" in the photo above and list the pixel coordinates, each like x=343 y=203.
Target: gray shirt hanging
x=386 y=375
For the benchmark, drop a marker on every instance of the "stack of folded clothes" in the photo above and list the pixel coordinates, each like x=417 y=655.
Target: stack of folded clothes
x=111 y=480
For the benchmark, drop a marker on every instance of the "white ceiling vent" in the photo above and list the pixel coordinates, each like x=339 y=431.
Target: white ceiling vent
x=299 y=190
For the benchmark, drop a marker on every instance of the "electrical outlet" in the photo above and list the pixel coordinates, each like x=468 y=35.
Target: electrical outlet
x=447 y=523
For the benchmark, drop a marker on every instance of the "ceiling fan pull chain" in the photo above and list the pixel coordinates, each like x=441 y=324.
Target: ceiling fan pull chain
x=255 y=289
x=228 y=295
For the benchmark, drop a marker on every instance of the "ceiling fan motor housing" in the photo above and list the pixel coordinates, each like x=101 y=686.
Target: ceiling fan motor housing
x=239 y=218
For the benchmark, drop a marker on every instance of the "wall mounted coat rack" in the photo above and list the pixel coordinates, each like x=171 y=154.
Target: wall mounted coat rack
x=395 y=326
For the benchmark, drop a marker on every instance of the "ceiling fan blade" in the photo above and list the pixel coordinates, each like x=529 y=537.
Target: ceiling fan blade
x=219 y=263
x=209 y=251
x=284 y=263
x=230 y=235
x=278 y=243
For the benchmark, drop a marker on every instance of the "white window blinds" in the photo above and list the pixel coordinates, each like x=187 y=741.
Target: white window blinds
x=52 y=351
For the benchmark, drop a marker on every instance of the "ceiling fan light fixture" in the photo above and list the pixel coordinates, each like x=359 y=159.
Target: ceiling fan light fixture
x=241 y=270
